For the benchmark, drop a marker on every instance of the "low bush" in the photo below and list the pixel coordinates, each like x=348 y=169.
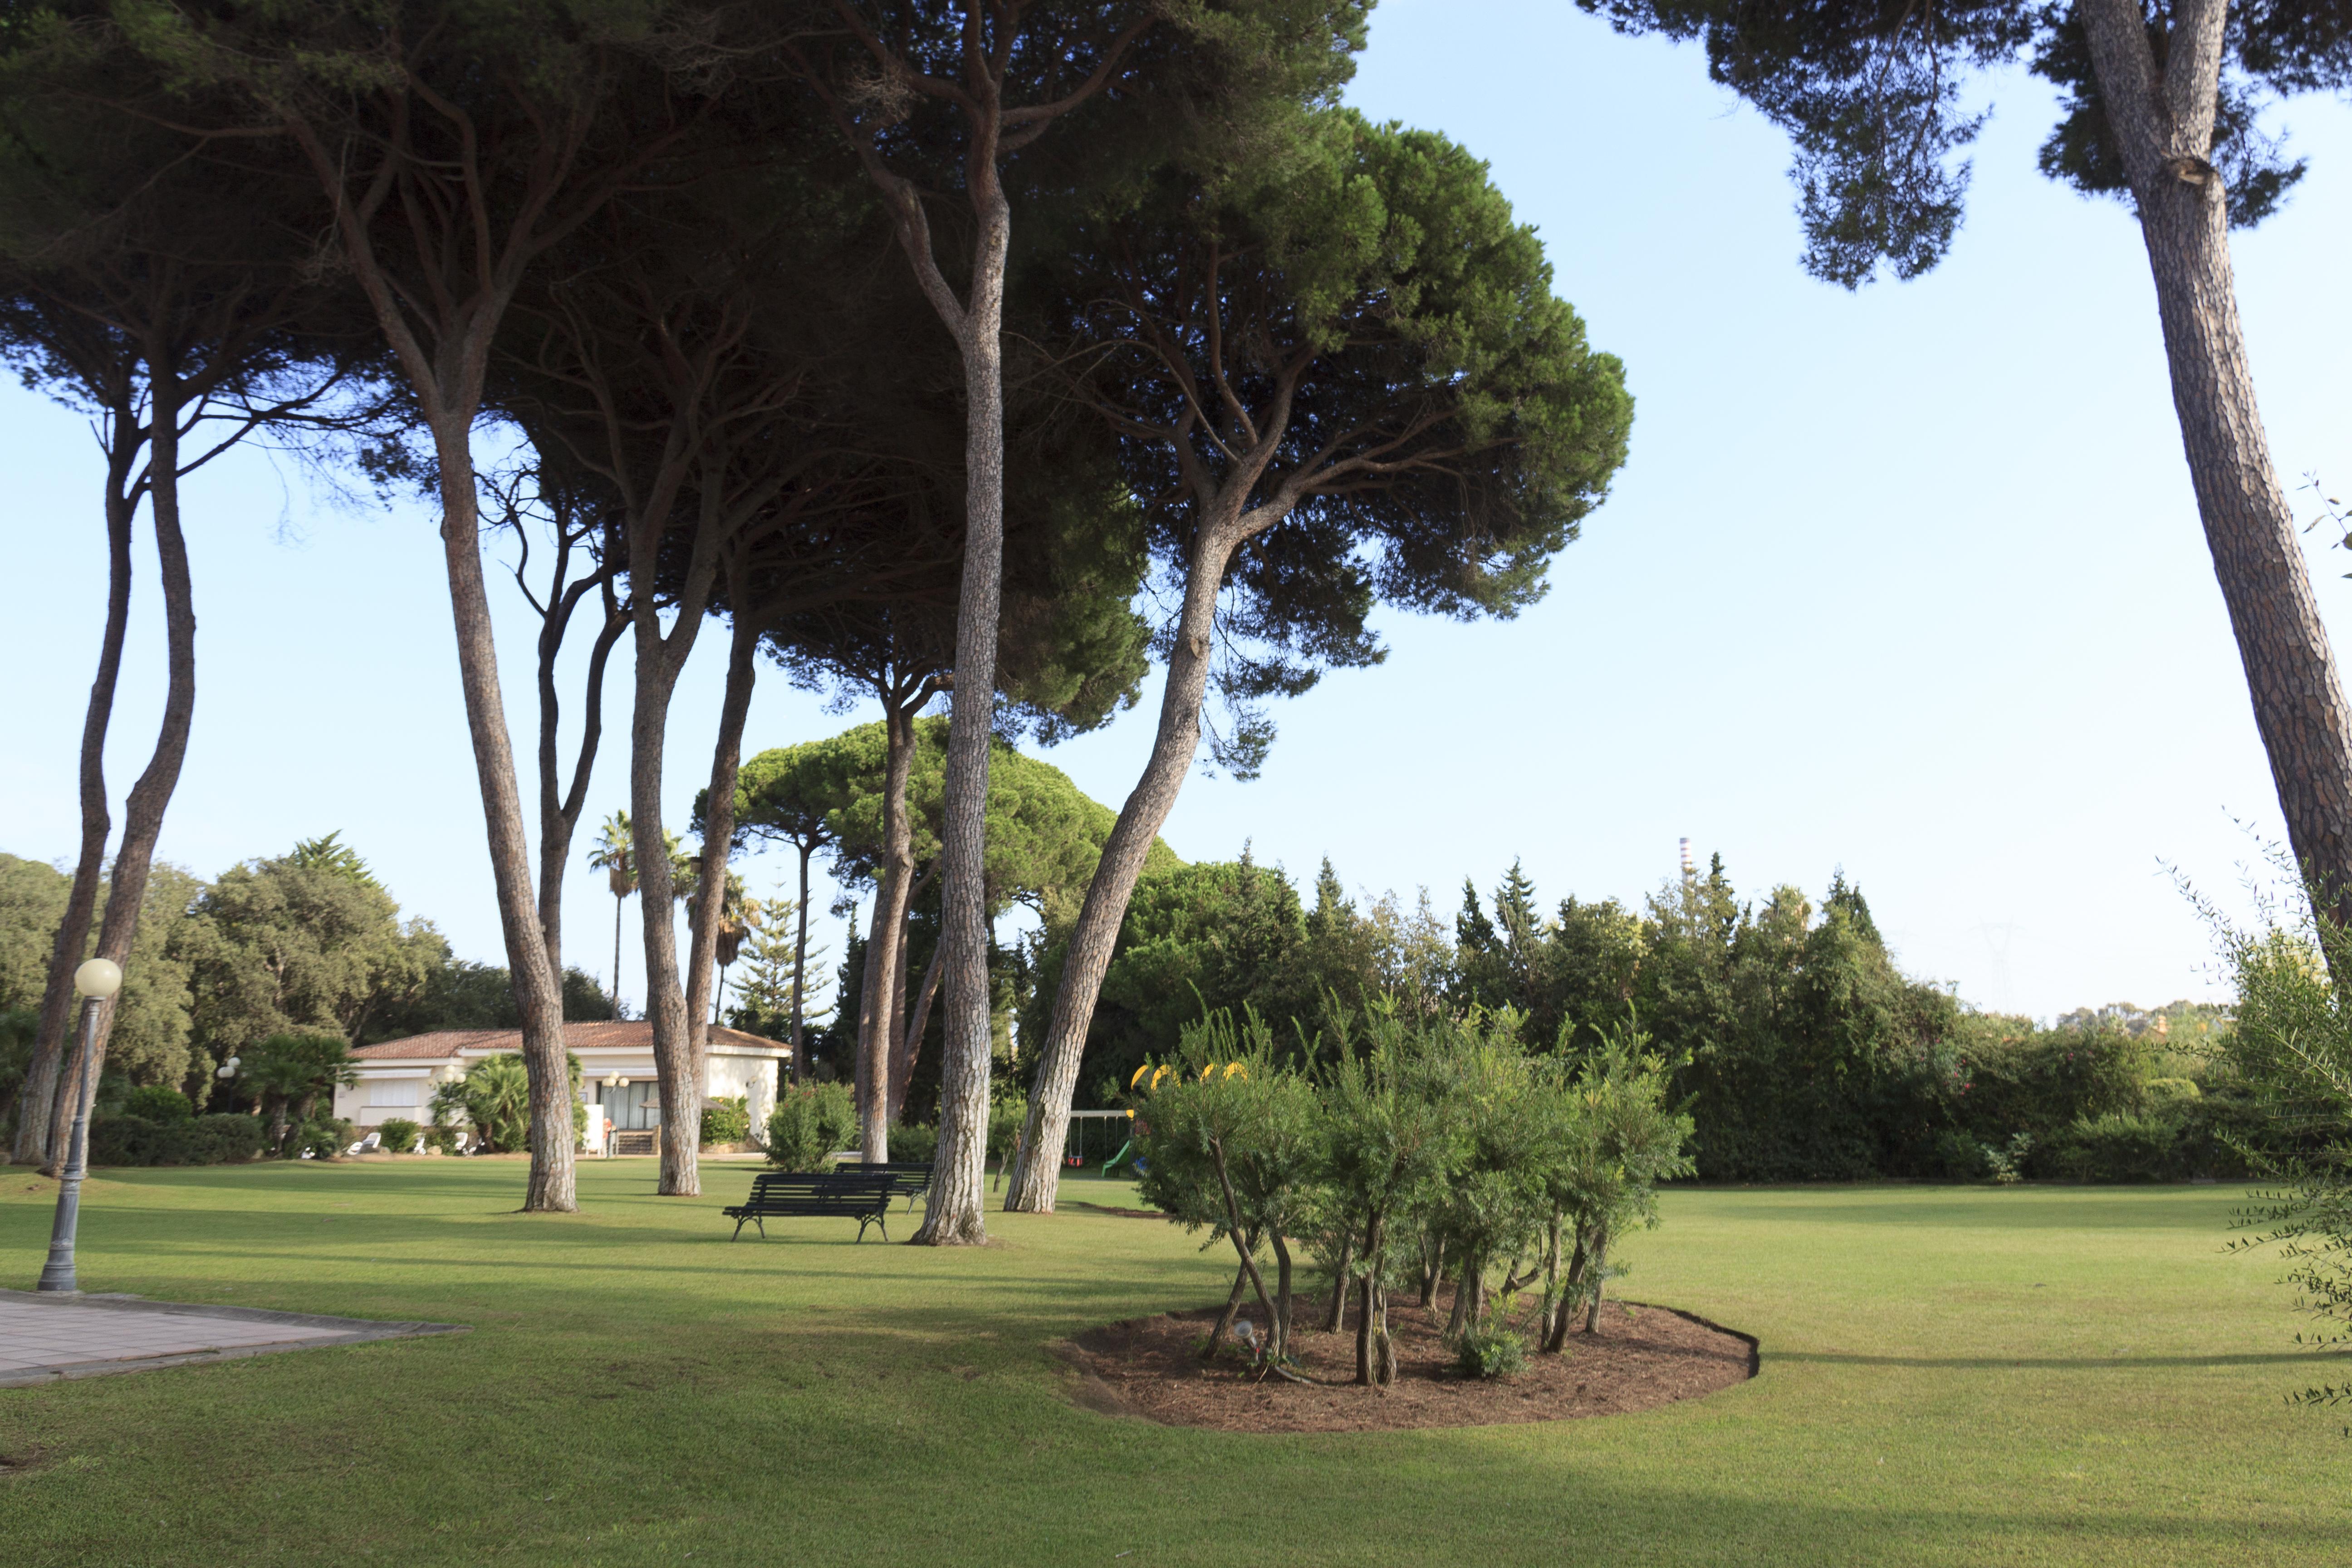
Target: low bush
x=443 y=1138
x=1492 y=1348
x=2119 y=1148
x=915 y=1145
x=809 y=1123
x=158 y=1102
x=727 y=1119
x=188 y=1141
x=1958 y=1157
x=397 y=1134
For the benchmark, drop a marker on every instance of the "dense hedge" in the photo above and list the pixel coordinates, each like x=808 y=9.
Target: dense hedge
x=196 y=1140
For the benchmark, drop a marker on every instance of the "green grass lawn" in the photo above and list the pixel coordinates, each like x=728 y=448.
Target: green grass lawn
x=1949 y=1377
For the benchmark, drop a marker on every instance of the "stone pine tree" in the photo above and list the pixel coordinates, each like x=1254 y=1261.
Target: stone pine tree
x=949 y=96
x=2161 y=107
x=1343 y=382
x=160 y=297
x=444 y=152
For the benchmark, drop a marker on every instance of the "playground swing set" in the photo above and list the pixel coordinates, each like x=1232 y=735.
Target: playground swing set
x=1093 y=1131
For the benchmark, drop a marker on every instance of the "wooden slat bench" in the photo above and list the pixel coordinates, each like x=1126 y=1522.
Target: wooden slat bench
x=910 y=1179
x=852 y=1194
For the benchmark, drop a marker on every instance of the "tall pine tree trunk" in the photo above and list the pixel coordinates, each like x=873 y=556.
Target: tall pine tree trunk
x=539 y=997
x=1096 y=937
x=124 y=437
x=658 y=659
x=799 y=972
x=953 y=1216
x=143 y=811
x=885 y=969
x=2161 y=122
x=718 y=836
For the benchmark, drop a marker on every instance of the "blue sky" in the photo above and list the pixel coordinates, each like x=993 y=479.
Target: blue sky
x=1907 y=581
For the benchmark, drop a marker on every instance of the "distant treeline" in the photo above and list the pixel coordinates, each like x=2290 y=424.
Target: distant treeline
x=1805 y=1053
x=308 y=942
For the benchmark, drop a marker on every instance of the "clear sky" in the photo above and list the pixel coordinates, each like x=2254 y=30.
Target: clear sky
x=1908 y=581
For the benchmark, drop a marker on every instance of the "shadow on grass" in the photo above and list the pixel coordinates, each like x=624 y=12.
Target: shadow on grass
x=2050 y=1363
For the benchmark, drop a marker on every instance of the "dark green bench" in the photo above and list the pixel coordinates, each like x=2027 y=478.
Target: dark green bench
x=912 y=1180
x=853 y=1192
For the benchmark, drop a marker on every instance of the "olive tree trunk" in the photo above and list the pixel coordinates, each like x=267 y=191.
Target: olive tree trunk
x=2162 y=123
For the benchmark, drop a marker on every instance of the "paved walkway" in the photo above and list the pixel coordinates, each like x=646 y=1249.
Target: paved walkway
x=44 y=1337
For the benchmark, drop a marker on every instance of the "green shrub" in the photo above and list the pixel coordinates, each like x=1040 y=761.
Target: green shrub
x=2007 y=1164
x=1493 y=1349
x=1958 y=1157
x=324 y=1136
x=727 y=1119
x=915 y=1145
x=2117 y=1148
x=443 y=1138
x=809 y=1123
x=158 y=1102
x=189 y=1141
x=398 y=1134
x=1007 y=1110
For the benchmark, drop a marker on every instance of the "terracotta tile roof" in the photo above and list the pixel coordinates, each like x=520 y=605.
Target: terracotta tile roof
x=637 y=1034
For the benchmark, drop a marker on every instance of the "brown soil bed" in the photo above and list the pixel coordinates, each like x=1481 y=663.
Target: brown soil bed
x=1151 y=1367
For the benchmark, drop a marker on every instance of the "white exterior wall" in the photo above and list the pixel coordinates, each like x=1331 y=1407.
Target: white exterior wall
x=730 y=1073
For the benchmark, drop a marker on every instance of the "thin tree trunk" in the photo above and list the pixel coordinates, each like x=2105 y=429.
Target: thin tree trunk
x=1096 y=936
x=38 y=1099
x=910 y=1044
x=1599 y=1274
x=1225 y=1323
x=1335 y=1319
x=539 y=997
x=2162 y=123
x=885 y=971
x=718 y=837
x=618 y=899
x=955 y=1216
x=143 y=810
x=559 y=809
x=799 y=975
x=1366 y=1303
x=1278 y=1337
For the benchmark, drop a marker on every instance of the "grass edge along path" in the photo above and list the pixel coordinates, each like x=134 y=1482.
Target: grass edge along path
x=1950 y=1376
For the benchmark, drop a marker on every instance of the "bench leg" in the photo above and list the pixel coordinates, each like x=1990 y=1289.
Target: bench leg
x=738 y=1232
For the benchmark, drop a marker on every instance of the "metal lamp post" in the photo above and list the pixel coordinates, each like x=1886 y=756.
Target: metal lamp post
x=96 y=981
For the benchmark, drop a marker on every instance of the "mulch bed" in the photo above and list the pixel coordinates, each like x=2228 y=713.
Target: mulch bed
x=1151 y=1367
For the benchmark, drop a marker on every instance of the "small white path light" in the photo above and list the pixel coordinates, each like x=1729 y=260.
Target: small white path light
x=96 y=981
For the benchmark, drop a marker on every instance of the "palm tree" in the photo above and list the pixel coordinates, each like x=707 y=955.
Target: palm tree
x=613 y=856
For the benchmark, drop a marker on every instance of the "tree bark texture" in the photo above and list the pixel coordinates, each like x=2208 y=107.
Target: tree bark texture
x=954 y=1213
x=1096 y=936
x=38 y=1099
x=444 y=354
x=559 y=804
x=885 y=940
x=718 y=837
x=909 y=1048
x=143 y=810
x=539 y=997
x=660 y=658
x=2162 y=123
x=799 y=972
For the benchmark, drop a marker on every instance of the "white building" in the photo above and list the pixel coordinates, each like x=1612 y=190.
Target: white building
x=396 y=1079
